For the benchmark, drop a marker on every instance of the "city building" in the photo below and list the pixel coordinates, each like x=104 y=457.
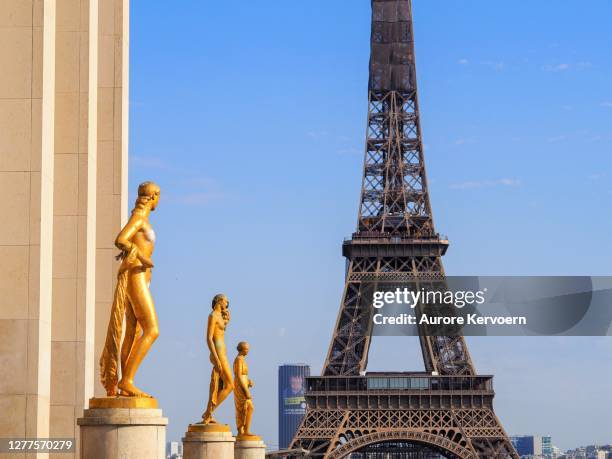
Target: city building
x=588 y=452
x=291 y=401
x=174 y=450
x=532 y=445
x=547 y=446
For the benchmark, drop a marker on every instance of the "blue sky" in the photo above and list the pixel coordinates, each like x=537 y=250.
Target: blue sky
x=251 y=117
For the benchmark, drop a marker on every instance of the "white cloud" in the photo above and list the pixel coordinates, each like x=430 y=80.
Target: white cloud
x=149 y=162
x=471 y=185
x=606 y=104
x=559 y=138
x=508 y=182
x=597 y=176
x=557 y=68
x=497 y=65
x=463 y=62
x=197 y=199
x=466 y=185
x=317 y=135
x=350 y=151
x=565 y=66
x=465 y=141
x=198 y=181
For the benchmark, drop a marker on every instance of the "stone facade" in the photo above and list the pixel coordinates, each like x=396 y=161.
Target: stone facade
x=63 y=188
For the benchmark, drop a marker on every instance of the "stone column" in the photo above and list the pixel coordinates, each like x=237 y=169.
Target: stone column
x=134 y=433
x=212 y=441
x=74 y=209
x=27 y=113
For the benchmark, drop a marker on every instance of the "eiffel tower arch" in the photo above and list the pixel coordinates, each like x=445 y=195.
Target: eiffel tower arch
x=446 y=411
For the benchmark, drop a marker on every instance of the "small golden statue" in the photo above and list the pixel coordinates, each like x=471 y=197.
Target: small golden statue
x=221 y=383
x=242 y=394
x=132 y=302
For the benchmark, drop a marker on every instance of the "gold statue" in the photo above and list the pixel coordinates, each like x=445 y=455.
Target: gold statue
x=242 y=393
x=133 y=302
x=221 y=383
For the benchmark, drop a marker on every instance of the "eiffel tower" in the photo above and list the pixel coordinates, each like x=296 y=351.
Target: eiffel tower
x=446 y=411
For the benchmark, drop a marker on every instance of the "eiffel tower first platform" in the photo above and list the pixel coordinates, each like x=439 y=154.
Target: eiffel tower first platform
x=446 y=411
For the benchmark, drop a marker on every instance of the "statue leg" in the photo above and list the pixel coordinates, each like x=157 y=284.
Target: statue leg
x=144 y=310
x=239 y=416
x=131 y=330
x=248 y=406
x=213 y=397
x=228 y=384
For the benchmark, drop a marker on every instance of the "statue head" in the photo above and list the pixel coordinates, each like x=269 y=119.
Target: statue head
x=243 y=348
x=220 y=300
x=148 y=195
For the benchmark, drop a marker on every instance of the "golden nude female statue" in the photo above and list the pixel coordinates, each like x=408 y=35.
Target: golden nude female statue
x=242 y=393
x=221 y=383
x=132 y=302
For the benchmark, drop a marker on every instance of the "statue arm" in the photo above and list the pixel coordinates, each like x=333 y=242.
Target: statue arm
x=124 y=240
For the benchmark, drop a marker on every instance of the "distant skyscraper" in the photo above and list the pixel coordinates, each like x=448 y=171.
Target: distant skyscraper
x=174 y=450
x=547 y=446
x=532 y=445
x=291 y=401
x=523 y=445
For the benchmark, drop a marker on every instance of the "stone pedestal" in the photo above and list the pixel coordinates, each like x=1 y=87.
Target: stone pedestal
x=249 y=448
x=211 y=441
x=111 y=433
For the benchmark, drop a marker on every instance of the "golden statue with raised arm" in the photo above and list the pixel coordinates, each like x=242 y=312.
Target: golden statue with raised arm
x=133 y=302
x=242 y=394
x=221 y=383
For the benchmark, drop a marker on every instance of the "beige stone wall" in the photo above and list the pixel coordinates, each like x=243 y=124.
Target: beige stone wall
x=63 y=182
x=27 y=95
x=74 y=218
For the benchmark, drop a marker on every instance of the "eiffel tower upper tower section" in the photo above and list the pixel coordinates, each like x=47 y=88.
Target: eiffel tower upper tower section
x=394 y=195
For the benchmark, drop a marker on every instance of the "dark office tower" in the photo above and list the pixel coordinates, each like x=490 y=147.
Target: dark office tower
x=446 y=411
x=532 y=445
x=291 y=401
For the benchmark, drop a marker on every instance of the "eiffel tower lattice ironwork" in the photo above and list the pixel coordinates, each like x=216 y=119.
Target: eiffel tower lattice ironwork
x=446 y=411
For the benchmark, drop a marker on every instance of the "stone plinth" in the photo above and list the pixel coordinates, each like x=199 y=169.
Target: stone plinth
x=211 y=441
x=249 y=447
x=111 y=433
x=123 y=402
